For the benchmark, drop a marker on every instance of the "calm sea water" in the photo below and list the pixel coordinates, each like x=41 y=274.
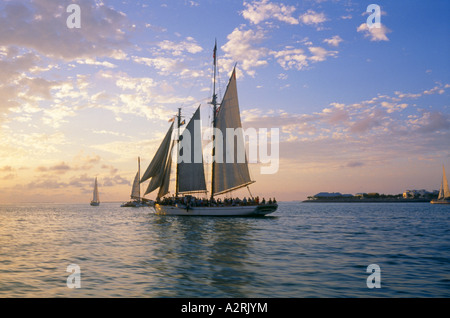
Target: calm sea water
x=303 y=250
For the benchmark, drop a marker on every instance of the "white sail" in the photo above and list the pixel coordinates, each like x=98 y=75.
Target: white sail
x=444 y=192
x=136 y=189
x=191 y=174
x=96 y=197
x=230 y=175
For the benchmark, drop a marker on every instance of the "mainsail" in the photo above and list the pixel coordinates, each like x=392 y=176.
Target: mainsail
x=444 y=192
x=136 y=189
x=230 y=173
x=191 y=174
x=95 y=198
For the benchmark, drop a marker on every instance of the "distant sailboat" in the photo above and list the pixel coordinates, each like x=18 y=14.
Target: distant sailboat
x=95 y=200
x=190 y=175
x=137 y=201
x=444 y=193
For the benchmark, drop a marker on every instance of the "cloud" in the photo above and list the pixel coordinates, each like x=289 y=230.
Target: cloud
x=355 y=164
x=241 y=47
x=392 y=107
x=165 y=65
x=169 y=58
x=189 y=45
x=291 y=58
x=312 y=18
x=297 y=58
x=259 y=11
x=41 y=25
x=319 y=54
x=59 y=168
x=374 y=33
x=432 y=122
x=90 y=61
x=333 y=41
x=36 y=39
x=117 y=179
x=365 y=124
x=371 y=132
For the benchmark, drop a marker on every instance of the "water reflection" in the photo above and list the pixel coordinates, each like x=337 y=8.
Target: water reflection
x=203 y=256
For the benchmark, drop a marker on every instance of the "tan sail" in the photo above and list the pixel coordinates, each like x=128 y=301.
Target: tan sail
x=165 y=181
x=135 y=190
x=159 y=160
x=230 y=173
x=444 y=192
x=191 y=174
x=157 y=166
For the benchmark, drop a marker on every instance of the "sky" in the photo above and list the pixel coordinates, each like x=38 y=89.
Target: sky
x=358 y=109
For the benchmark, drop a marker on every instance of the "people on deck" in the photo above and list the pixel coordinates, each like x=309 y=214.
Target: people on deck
x=192 y=201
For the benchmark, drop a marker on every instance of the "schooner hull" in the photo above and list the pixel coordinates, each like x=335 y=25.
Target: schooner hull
x=259 y=210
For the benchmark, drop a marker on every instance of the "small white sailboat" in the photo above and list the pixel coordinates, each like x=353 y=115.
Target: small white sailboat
x=444 y=193
x=95 y=198
x=226 y=176
x=136 y=200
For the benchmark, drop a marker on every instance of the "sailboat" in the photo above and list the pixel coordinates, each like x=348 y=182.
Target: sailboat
x=444 y=193
x=190 y=174
x=95 y=198
x=136 y=200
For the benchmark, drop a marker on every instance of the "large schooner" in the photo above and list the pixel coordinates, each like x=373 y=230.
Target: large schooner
x=226 y=176
x=444 y=193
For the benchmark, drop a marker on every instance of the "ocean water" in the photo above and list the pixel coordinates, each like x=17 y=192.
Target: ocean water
x=302 y=250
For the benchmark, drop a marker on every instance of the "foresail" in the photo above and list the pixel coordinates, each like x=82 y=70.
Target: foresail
x=231 y=173
x=191 y=174
x=157 y=167
x=159 y=160
x=164 y=188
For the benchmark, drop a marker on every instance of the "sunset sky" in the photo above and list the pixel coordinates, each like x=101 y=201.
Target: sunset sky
x=358 y=109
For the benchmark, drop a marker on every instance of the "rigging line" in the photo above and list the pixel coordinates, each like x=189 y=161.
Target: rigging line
x=195 y=82
x=251 y=195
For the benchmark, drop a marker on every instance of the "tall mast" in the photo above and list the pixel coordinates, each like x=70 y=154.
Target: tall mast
x=139 y=176
x=178 y=149
x=214 y=103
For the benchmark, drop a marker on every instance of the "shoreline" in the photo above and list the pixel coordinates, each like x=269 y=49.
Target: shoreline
x=369 y=201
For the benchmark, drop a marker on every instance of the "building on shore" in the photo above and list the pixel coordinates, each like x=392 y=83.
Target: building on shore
x=422 y=193
x=331 y=195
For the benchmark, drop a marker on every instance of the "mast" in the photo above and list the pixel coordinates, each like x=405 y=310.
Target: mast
x=178 y=150
x=139 y=176
x=214 y=103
